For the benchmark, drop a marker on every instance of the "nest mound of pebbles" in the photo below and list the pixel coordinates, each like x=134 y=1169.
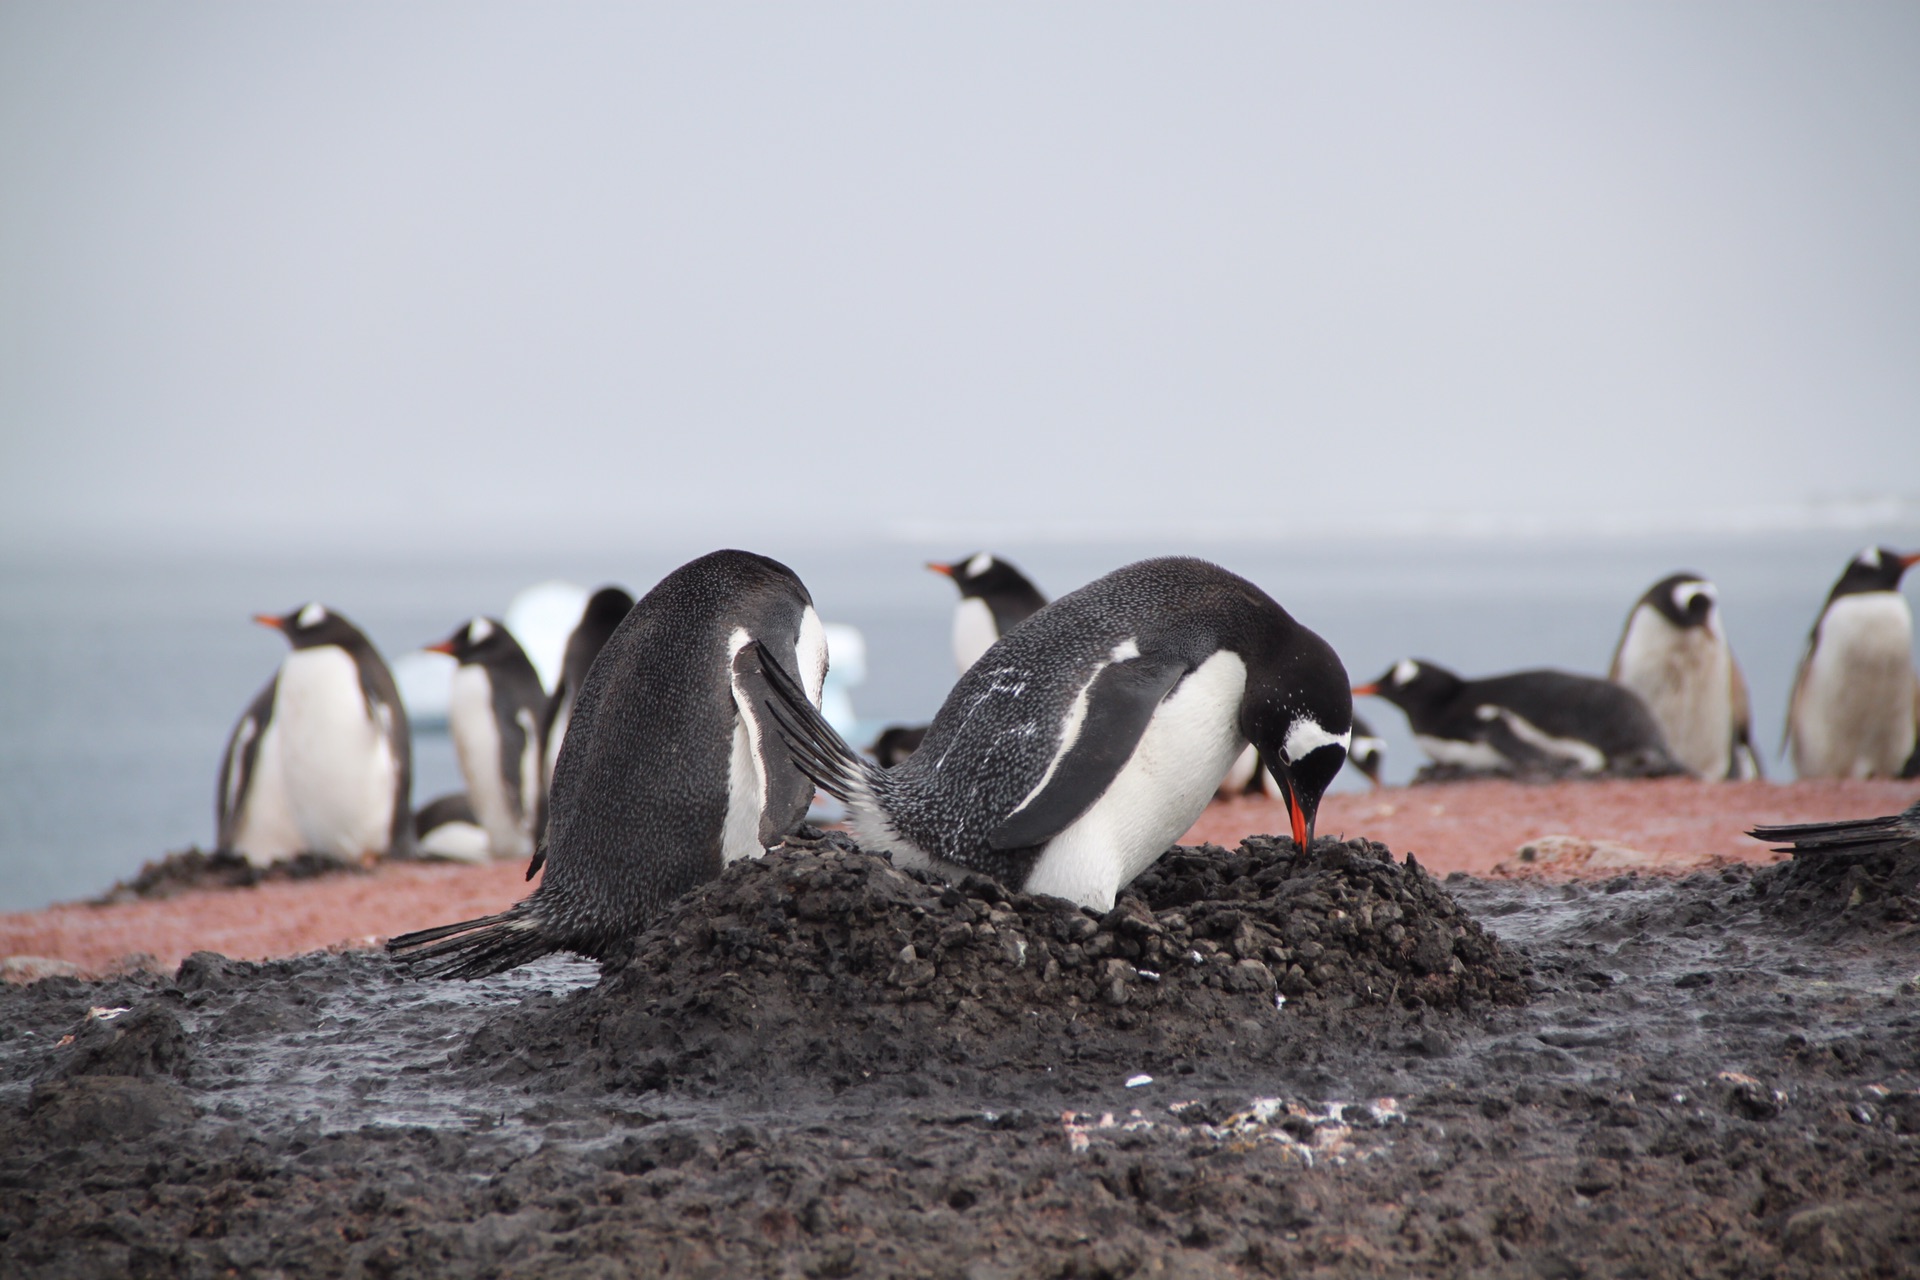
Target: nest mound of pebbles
x=825 y=963
x=190 y=869
x=1838 y=893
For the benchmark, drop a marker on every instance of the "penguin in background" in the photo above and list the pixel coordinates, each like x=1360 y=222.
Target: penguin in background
x=1087 y=739
x=1855 y=700
x=1527 y=722
x=604 y=610
x=896 y=742
x=1673 y=653
x=995 y=598
x=493 y=715
x=446 y=828
x=670 y=770
x=322 y=760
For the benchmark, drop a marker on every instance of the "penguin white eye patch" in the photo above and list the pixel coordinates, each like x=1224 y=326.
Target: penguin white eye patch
x=1405 y=670
x=1304 y=737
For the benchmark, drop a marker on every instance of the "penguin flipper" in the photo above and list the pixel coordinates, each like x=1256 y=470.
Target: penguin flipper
x=238 y=761
x=476 y=948
x=1119 y=703
x=1743 y=748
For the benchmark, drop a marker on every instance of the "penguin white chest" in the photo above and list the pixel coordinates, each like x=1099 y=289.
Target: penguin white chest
x=974 y=631
x=1187 y=748
x=1854 y=713
x=477 y=740
x=1685 y=676
x=340 y=771
x=263 y=831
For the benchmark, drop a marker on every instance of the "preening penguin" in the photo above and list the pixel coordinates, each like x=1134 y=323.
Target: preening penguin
x=1855 y=697
x=1674 y=654
x=493 y=714
x=1088 y=739
x=669 y=771
x=604 y=610
x=995 y=598
x=322 y=760
x=1530 y=721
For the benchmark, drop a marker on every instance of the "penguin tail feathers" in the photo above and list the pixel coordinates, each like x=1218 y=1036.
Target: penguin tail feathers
x=472 y=948
x=817 y=751
x=1857 y=835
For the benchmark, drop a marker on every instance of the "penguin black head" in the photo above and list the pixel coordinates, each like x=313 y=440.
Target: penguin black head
x=1874 y=569
x=606 y=607
x=1684 y=599
x=1411 y=683
x=1299 y=715
x=313 y=625
x=481 y=641
x=981 y=575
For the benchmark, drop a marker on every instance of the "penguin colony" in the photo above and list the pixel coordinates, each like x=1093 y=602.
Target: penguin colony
x=1082 y=738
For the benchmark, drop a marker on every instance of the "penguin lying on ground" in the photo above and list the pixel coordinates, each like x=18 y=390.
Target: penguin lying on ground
x=995 y=598
x=669 y=771
x=896 y=742
x=1855 y=697
x=1674 y=654
x=1895 y=833
x=493 y=715
x=1527 y=722
x=603 y=612
x=1366 y=752
x=1088 y=739
x=322 y=760
x=445 y=827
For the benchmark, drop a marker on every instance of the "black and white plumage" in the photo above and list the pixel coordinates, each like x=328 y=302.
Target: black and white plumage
x=1673 y=653
x=1526 y=722
x=995 y=598
x=1088 y=739
x=493 y=714
x=669 y=771
x=1897 y=833
x=447 y=828
x=322 y=761
x=1856 y=699
x=1366 y=752
x=896 y=742
x=603 y=612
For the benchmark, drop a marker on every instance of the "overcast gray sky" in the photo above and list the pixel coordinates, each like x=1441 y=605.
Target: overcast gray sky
x=528 y=273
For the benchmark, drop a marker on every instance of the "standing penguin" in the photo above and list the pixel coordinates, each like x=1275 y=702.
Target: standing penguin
x=1674 y=653
x=1085 y=741
x=493 y=713
x=322 y=761
x=1526 y=722
x=995 y=598
x=669 y=772
x=1855 y=698
x=604 y=610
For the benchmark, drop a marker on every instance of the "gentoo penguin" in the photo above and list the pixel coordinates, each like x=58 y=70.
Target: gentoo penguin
x=669 y=771
x=1527 y=722
x=1895 y=833
x=896 y=742
x=602 y=614
x=1855 y=697
x=493 y=714
x=322 y=761
x=1365 y=752
x=1087 y=739
x=1673 y=652
x=995 y=598
x=447 y=828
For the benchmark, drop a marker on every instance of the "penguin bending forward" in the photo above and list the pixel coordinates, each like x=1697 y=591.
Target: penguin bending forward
x=1674 y=653
x=1366 y=752
x=669 y=771
x=493 y=715
x=1087 y=740
x=995 y=598
x=602 y=614
x=322 y=761
x=1855 y=698
x=1526 y=722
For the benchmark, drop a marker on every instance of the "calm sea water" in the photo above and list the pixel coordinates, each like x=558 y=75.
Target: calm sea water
x=120 y=678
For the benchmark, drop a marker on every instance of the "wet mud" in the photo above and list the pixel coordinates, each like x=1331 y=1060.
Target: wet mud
x=822 y=1066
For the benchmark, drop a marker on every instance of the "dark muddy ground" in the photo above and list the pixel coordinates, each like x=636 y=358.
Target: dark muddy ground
x=819 y=1066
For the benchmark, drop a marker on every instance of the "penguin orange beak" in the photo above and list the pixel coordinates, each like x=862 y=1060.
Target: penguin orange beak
x=1907 y=562
x=944 y=570
x=268 y=620
x=1366 y=690
x=445 y=646
x=1302 y=830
